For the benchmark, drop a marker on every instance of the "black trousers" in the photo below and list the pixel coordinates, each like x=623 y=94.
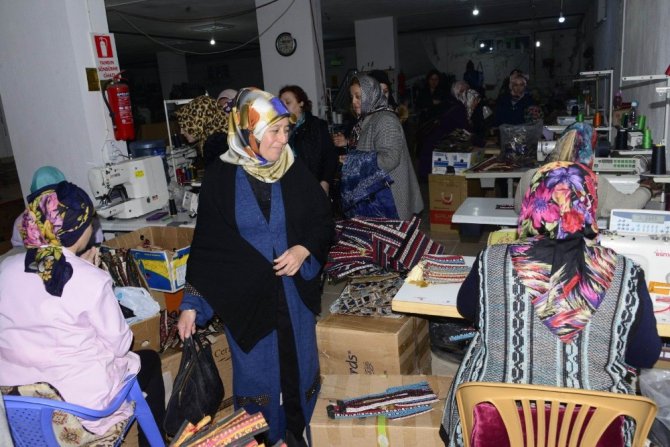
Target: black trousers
x=150 y=379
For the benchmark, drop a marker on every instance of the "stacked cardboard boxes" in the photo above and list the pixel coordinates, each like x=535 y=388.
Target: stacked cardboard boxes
x=445 y=194
x=422 y=430
x=373 y=345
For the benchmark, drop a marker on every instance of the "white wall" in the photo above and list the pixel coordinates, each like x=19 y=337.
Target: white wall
x=305 y=66
x=647 y=52
x=51 y=116
x=376 y=44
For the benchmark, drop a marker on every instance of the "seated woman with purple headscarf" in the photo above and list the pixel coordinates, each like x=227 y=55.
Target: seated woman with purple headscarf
x=60 y=321
x=556 y=294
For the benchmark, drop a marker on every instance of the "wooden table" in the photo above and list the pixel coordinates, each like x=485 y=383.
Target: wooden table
x=493 y=211
x=439 y=300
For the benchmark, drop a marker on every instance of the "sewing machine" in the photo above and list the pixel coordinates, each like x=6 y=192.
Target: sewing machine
x=131 y=188
x=624 y=165
x=644 y=237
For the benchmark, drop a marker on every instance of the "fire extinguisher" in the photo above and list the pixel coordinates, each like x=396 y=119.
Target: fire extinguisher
x=116 y=95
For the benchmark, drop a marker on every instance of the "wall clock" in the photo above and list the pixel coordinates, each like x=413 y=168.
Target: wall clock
x=285 y=44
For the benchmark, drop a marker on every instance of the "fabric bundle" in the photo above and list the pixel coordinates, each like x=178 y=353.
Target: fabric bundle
x=366 y=188
x=368 y=246
x=236 y=430
x=368 y=295
x=439 y=269
x=395 y=403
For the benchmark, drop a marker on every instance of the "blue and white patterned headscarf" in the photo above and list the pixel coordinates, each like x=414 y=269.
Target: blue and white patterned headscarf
x=253 y=113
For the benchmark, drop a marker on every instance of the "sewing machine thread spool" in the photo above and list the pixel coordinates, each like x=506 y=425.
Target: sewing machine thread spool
x=658 y=160
x=646 y=139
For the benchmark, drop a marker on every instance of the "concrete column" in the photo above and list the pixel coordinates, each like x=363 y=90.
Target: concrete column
x=51 y=117
x=305 y=67
x=171 y=70
x=376 y=44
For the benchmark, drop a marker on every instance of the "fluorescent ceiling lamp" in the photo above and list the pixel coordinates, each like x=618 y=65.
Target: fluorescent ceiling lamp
x=212 y=27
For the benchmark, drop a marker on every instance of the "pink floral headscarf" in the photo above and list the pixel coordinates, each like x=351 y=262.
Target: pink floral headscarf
x=566 y=273
x=56 y=217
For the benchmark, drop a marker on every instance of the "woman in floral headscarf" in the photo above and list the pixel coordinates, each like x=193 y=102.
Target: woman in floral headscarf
x=564 y=298
x=60 y=321
x=203 y=122
x=263 y=234
x=576 y=145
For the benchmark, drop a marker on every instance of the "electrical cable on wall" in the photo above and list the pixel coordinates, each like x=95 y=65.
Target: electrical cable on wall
x=199 y=19
x=242 y=45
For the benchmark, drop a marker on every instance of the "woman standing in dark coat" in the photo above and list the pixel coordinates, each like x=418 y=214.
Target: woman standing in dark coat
x=263 y=233
x=310 y=139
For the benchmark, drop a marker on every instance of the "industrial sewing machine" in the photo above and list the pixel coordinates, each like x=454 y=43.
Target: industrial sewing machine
x=644 y=237
x=131 y=188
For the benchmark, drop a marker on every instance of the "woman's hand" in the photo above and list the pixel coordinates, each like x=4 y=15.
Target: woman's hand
x=339 y=140
x=186 y=324
x=92 y=255
x=290 y=261
x=653 y=187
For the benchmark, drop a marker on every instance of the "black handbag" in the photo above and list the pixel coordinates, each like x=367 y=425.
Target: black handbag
x=198 y=389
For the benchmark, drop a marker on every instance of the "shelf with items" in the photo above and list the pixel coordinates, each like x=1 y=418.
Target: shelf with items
x=597 y=77
x=600 y=77
x=180 y=157
x=663 y=91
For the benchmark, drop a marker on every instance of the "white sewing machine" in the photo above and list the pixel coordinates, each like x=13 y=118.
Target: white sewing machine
x=131 y=188
x=644 y=237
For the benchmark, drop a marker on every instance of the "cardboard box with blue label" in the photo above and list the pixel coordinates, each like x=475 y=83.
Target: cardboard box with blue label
x=160 y=252
x=456 y=162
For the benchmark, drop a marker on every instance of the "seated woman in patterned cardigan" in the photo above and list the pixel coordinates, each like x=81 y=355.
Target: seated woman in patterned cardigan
x=555 y=294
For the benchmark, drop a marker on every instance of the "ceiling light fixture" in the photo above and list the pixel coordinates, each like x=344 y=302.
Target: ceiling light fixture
x=475 y=11
x=212 y=41
x=561 y=18
x=482 y=44
x=537 y=43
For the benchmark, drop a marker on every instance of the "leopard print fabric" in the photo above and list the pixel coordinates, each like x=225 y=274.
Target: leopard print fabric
x=201 y=118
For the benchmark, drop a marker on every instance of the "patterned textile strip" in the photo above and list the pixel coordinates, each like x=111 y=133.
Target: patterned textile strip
x=392 y=412
x=416 y=246
x=417 y=392
x=244 y=429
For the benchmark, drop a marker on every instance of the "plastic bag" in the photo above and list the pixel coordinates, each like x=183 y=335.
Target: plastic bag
x=198 y=389
x=655 y=384
x=518 y=144
x=139 y=300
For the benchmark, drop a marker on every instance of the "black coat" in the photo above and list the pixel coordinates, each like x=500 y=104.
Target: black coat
x=312 y=143
x=236 y=280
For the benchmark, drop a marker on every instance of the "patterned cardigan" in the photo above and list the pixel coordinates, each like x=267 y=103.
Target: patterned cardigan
x=382 y=132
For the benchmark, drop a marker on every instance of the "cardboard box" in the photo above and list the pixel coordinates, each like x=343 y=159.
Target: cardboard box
x=445 y=194
x=422 y=430
x=146 y=333
x=373 y=345
x=459 y=161
x=164 y=268
x=171 y=358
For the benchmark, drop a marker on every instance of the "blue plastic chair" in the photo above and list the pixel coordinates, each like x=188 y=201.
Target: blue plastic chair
x=29 y=418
